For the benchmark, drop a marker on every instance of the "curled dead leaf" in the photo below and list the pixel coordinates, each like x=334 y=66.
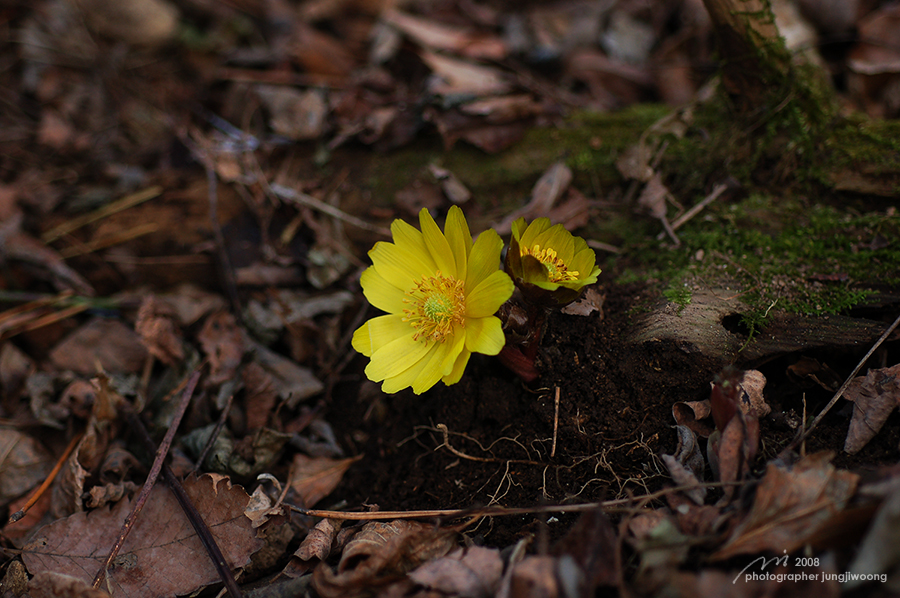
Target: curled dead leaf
x=473 y=572
x=590 y=302
x=380 y=554
x=691 y=413
x=874 y=397
x=790 y=505
x=317 y=543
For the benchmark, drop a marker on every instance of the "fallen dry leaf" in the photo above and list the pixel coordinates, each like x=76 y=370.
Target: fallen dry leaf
x=652 y=199
x=874 y=63
x=691 y=415
x=17 y=245
x=591 y=544
x=319 y=52
x=656 y=537
x=473 y=572
x=874 y=397
x=458 y=77
x=733 y=445
x=190 y=303
x=535 y=575
x=684 y=476
x=752 y=400
x=379 y=554
x=546 y=193
x=590 y=302
x=85 y=461
x=147 y=23
x=293 y=382
x=50 y=583
x=260 y=396
x=438 y=36
x=317 y=543
x=573 y=211
x=104 y=341
x=223 y=343
x=879 y=551
x=155 y=324
x=24 y=464
x=163 y=555
x=790 y=505
x=315 y=478
x=453 y=188
x=808 y=368
x=297 y=115
x=15 y=367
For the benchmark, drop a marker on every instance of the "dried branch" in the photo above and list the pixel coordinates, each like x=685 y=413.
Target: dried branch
x=151 y=477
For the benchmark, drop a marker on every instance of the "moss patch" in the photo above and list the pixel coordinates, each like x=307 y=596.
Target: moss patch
x=589 y=143
x=782 y=253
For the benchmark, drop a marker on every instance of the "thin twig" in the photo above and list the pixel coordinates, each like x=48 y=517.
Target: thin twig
x=52 y=476
x=555 y=423
x=151 y=478
x=206 y=537
x=304 y=199
x=603 y=246
x=117 y=238
x=683 y=219
x=107 y=210
x=211 y=441
x=499 y=511
x=804 y=435
x=224 y=261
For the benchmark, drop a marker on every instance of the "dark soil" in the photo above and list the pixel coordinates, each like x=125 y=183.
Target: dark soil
x=614 y=422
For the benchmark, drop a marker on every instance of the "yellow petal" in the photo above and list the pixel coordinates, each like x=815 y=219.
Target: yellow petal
x=378 y=332
x=518 y=229
x=458 y=344
x=408 y=237
x=534 y=229
x=583 y=262
x=460 y=239
x=400 y=267
x=437 y=244
x=486 y=298
x=459 y=366
x=484 y=259
x=435 y=369
x=485 y=335
x=395 y=357
x=406 y=378
x=560 y=240
x=380 y=292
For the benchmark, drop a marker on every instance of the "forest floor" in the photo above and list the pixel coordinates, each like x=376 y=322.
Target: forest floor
x=196 y=191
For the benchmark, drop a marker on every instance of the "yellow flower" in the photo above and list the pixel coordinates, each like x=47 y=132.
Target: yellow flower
x=440 y=292
x=548 y=263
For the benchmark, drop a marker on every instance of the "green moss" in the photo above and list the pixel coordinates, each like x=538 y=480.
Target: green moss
x=588 y=142
x=679 y=294
x=782 y=253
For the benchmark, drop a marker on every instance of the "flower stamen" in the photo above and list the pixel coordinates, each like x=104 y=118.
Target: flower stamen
x=438 y=302
x=556 y=267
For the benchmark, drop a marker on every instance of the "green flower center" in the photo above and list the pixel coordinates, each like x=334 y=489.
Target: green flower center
x=437 y=303
x=556 y=268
